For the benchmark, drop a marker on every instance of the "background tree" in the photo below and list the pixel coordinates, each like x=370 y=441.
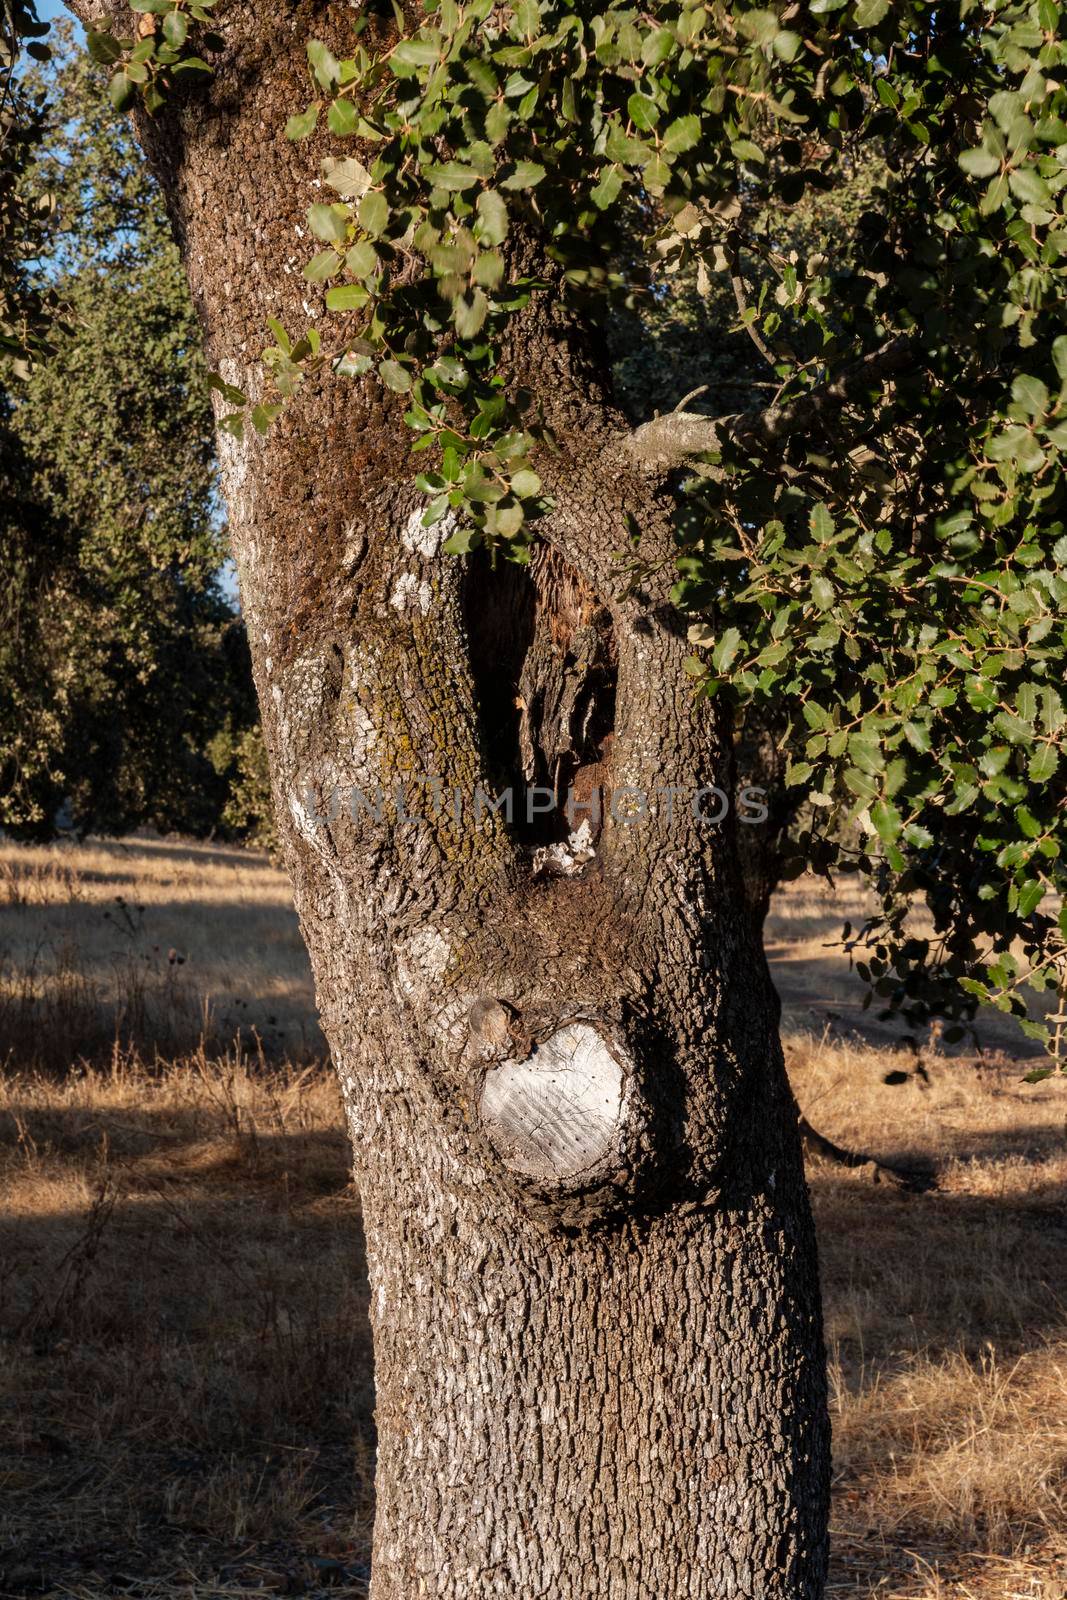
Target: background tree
x=25 y=311
x=116 y=614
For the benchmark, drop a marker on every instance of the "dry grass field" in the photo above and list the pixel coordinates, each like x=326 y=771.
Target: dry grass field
x=185 y=1382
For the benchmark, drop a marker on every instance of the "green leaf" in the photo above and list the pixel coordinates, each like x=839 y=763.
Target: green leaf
x=122 y=91
x=822 y=591
x=1031 y=394
x=725 y=652
x=235 y=396
x=303 y=124
x=436 y=511
x=496 y=121
x=821 y=523
x=417 y=53
x=354 y=365
x=347 y=297
x=362 y=259
x=103 y=47
x=447 y=370
x=343 y=118
x=887 y=820
x=462 y=542
x=469 y=314
x=506 y=520
x=657 y=46
x=492 y=217
x=452 y=175
x=324 y=64
x=489 y=269
x=683 y=134
x=526 y=175
x=746 y=150
x=643 y=111
x=1059 y=355
x=758 y=24
x=327 y=264
x=283 y=340
x=980 y=163
x=1030 y=897
x=374 y=213
x=1043 y=763
x=329 y=222
x=394 y=376
x=175 y=28
x=525 y=483
x=1028 y=184
x=263 y=416
x=607 y=191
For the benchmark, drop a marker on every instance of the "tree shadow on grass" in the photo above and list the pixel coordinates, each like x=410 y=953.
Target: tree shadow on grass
x=187 y=1381
x=186 y=1372
x=946 y=1322
x=822 y=992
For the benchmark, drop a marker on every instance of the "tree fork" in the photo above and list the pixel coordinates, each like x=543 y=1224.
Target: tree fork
x=599 y=1363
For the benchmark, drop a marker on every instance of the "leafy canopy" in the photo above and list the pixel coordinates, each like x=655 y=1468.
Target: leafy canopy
x=26 y=311
x=883 y=553
x=121 y=660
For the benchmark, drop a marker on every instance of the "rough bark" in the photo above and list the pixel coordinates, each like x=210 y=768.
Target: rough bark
x=594 y=1289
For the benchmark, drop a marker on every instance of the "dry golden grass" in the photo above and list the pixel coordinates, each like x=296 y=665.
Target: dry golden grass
x=185 y=1377
x=946 y=1324
x=148 y=942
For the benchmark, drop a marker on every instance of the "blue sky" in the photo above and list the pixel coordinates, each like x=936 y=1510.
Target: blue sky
x=48 y=10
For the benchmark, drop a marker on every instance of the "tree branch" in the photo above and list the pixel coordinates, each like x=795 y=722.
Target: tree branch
x=101 y=14
x=737 y=283
x=669 y=441
x=913 y=1178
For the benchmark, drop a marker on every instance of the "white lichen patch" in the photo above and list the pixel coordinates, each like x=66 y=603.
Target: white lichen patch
x=411 y=592
x=309 y=821
x=355 y=545
x=566 y=860
x=558 y=1115
x=364 y=738
x=419 y=540
x=235 y=455
x=421 y=961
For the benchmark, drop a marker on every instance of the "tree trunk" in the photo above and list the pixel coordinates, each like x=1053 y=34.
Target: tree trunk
x=594 y=1289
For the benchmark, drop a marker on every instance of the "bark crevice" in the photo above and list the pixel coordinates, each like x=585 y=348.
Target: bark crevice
x=545 y=664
